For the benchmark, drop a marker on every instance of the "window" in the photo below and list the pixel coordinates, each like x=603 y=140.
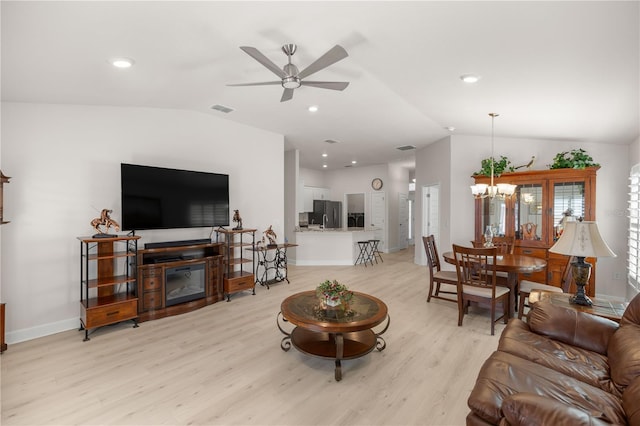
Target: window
x=633 y=263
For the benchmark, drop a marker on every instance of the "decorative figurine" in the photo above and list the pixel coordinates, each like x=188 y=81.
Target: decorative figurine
x=105 y=221
x=271 y=236
x=238 y=220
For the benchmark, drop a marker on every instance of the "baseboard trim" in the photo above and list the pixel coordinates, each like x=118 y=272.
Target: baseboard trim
x=323 y=263
x=42 y=330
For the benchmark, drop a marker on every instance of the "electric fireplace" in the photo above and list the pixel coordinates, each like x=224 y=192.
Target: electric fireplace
x=184 y=283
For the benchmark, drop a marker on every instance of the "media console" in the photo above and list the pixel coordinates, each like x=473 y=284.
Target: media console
x=178 y=277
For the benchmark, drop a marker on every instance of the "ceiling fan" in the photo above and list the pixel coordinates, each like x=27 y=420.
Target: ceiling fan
x=290 y=77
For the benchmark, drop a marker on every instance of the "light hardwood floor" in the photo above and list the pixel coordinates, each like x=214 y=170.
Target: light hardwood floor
x=223 y=364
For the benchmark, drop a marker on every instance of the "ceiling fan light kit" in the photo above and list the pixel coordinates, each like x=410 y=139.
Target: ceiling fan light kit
x=290 y=77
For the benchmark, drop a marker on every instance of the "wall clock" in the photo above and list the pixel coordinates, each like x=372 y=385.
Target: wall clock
x=376 y=184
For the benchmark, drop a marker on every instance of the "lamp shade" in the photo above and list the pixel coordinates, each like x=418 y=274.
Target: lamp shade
x=582 y=239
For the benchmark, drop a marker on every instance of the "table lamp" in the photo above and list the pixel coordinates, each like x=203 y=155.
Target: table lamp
x=581 y=239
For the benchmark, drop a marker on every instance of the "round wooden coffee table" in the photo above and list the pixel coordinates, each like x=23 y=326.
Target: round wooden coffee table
x=333 y=334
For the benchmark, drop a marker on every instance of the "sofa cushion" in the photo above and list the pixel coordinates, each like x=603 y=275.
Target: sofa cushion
x=624 y=355
x=504 y=374
x=587 y=366
x=631 y=402
x=569 y=326
x=528 y=409
x=632 y=313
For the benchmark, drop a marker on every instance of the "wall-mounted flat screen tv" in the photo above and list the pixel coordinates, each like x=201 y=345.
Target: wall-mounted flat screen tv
x=159 y=198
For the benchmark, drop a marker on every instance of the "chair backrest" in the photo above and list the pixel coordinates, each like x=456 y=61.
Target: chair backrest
x=432 y=252
x=567 y=275
x=528 y=231
x=505 y=245
x=476 y=267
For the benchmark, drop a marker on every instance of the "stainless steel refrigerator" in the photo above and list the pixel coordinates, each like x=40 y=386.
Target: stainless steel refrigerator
x=328 y=213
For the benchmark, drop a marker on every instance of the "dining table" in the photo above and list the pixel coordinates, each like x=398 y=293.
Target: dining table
x=512 y=264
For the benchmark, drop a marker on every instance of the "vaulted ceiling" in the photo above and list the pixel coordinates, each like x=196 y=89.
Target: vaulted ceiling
x=553 y=70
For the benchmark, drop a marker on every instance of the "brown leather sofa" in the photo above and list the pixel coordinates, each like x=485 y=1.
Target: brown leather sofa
x=562 y=367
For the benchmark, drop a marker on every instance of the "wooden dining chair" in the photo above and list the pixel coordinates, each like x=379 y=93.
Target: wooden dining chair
x=525 y=287
x=476 y=272
x=505 y=245
x=438 y=276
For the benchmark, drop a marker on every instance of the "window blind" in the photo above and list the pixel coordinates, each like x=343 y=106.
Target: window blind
x=633 y=264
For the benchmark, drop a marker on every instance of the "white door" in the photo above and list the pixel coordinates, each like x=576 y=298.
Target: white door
x=430 y=215
x=403 y=219
x=379 y=217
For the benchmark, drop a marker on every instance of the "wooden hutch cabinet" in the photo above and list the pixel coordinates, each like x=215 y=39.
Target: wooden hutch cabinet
x=535 y=214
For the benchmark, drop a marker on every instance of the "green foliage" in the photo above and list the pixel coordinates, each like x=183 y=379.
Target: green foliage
x=499 y=167
x=576 y=159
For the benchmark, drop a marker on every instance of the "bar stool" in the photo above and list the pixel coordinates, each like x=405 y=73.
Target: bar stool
x=375 y=253
x=365 y=255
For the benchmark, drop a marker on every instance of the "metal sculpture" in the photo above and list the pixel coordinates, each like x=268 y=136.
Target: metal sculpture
x=237 y=219
x=271 y=236
x=106 y=221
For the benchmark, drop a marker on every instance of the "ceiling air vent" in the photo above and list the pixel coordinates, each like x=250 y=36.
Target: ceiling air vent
x=405 y=148
x=331 y=141
x=222 y=108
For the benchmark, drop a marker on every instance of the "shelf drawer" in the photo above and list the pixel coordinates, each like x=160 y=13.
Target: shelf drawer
x=152 y=283
x=245 y=282
x=530 y=251
x=151 y=272
x=152 y=300
x=109 y=314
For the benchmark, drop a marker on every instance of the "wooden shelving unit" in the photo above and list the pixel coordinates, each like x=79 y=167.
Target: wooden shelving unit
x=107 y=281
x=238 y=270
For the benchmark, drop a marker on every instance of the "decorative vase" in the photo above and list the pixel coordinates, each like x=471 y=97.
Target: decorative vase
x=332 y=302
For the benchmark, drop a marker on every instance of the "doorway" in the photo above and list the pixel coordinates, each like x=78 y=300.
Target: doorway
x=355 y=210
x=379 y=218
x=430 y=215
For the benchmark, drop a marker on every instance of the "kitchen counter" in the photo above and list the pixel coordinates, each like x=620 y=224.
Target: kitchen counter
x=337 y=246
x=336 y=230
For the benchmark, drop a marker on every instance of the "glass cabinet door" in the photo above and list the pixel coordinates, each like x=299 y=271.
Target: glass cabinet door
x=568 y=204
x=528 y=212
x=494 y=214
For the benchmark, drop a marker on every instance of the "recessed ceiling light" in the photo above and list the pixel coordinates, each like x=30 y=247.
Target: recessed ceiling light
x=469 y=78
x=353 y=162
x=122 y=62
x=450 y=128
x=313 y=108
x=324 y=166
x=325 y=155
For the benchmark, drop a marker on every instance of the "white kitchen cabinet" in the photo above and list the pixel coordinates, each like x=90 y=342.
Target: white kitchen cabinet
x=311 y=193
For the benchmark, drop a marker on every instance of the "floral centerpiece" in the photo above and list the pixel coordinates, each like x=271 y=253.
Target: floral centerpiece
x=333 y=294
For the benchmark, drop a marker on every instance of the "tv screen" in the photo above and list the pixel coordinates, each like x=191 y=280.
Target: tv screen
x=159 y=198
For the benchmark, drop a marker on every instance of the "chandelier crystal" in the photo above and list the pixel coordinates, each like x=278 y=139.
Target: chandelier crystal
x=501 y=190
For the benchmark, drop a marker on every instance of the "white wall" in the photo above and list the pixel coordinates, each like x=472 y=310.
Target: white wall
x=433 y=166
x=310 y=177
x=468 y=151
x=65 y=164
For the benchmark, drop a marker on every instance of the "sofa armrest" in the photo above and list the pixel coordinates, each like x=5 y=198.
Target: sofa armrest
x=530 y=409
x=575 y=328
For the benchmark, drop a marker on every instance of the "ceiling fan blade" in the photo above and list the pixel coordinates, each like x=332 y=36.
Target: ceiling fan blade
x=255 y=54
x=264 y=83
x=335 y=54
x=286 y=95
x=332 y=85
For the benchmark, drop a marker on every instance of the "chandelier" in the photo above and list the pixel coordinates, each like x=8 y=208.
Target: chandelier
x=501 y=190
